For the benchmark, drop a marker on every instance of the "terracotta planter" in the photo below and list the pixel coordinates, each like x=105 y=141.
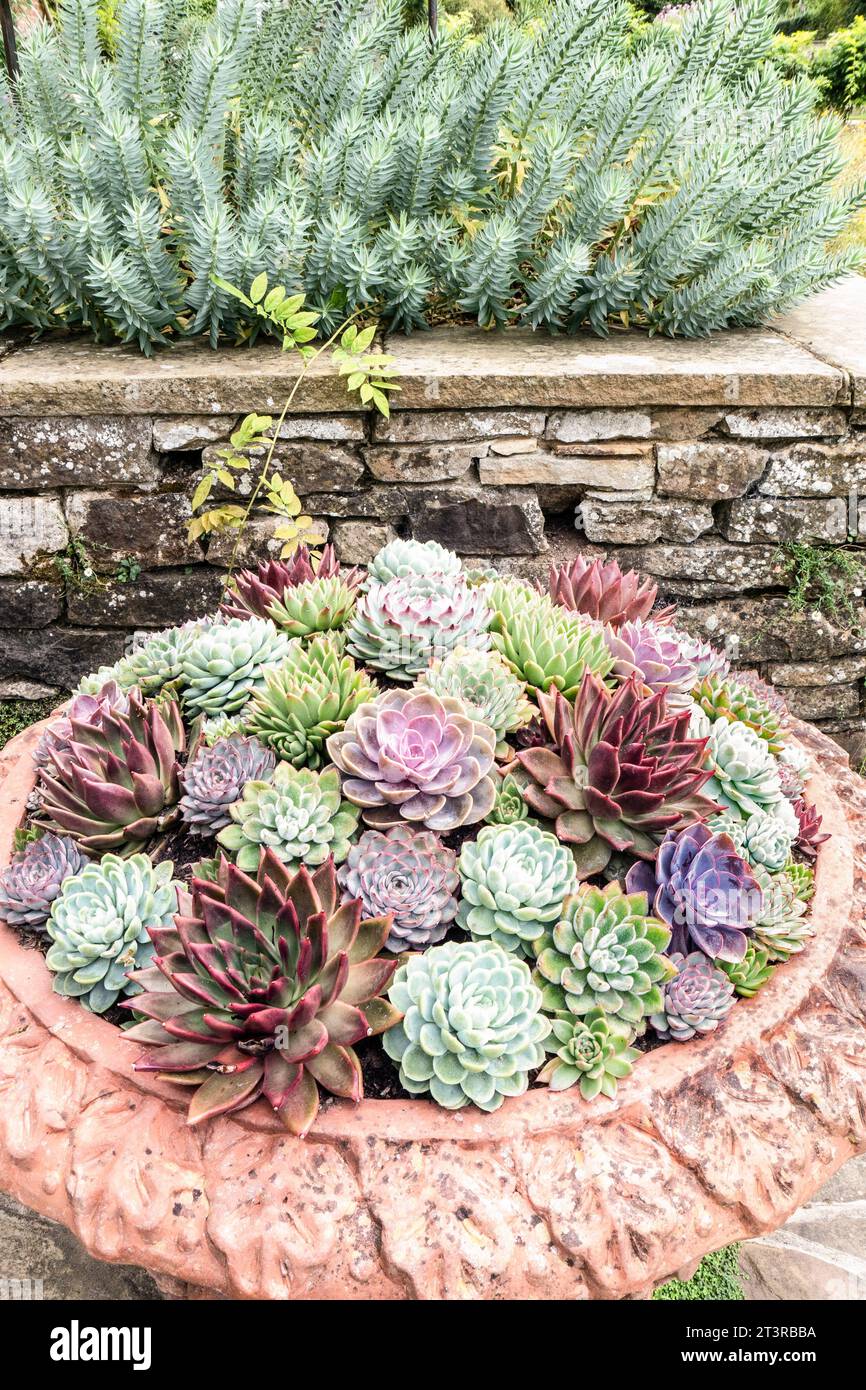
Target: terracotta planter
x=550 y=1197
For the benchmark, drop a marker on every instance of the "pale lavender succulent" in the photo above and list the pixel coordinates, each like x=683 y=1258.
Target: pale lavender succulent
x=416 y=757
x=704 y=889
x=697 y=999
x=83 y=709
x=215 y=779
x=706 y=660
x=408 y=874
x=34 y=878
x=651 y=652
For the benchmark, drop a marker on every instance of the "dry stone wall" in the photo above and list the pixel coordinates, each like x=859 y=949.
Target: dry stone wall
x=695 y=463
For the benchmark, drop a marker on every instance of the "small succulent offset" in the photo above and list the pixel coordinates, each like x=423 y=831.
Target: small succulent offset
x=653 y=653
x=702 y=887
x=745 y=775
x=486 y=685
x=399 y=558
x=706 y=660
x=298 y=814
x=306 y=699
x=409 y=875
x=809 y=834
x=402 y=626
x=259 y=988
x=601 y=590
x=605 y=953
x=99 y=927
x=749 y=974
x=83 y=709
x=225 y=663
x=319 y=605
x=546 y=647
x=215 y=778
x=117 y=785
x=514 y=879
x=802 y=877
x=698 y=998
x=472 y=1029
x=769 y=835
x=589 y=1054
x=157 y=661
x=794 y=769
x=621 y=773
x=411 y=756
x=34 y=878
x=509 y=808
x=782 y=929
x=222 y=726
x=723 y=697
x=252 y=593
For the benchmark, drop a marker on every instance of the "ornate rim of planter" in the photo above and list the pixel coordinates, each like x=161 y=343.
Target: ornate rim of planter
x=549 y=1197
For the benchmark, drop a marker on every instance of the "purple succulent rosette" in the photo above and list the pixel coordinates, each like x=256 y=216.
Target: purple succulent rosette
x=416 y=757
x=704 y=889
x=655 y=655
x=215 y=778
x=35 y=877
x=82 y=709
x=697 y=999
x=408 y=875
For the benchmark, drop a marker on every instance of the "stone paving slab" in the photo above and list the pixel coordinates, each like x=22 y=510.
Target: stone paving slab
x=820 y=1253
x=832 y=325
x=457 y=366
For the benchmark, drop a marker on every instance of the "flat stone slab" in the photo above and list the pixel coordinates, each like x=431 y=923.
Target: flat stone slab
x=832 y=325
x=746 y=367
x=451 y=367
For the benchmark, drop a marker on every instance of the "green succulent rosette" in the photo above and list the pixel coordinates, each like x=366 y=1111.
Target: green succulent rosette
x=472 y=1027
x=509 y=808
x=588 y=1054
x=514 y=879
x=749 y=974
x=318 y=605
x=606 y=952
x=745 y=773
x=399 y=558
x=99 y=927
x=299 y=814
x=488 y=688
x=225 y=663
x=305 y=699
x=544 y=645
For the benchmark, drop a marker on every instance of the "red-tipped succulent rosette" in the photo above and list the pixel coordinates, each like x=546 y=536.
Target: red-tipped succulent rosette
x=622 y=771
x=601 y=590
x=260 y=988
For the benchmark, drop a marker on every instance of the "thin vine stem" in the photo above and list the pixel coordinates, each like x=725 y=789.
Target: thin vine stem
x=263 y=476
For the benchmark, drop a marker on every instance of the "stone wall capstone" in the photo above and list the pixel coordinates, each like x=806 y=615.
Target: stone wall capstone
x=693 y=462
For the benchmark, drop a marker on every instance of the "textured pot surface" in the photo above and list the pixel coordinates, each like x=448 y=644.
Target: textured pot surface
x=550 y=1197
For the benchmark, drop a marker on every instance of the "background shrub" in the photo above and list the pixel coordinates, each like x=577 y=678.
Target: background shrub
x=553 y=171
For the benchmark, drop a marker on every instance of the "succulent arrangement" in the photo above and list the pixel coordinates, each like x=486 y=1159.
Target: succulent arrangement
x=252 y=593
x=401 y=626
x=305 y=699
x=514 y=832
